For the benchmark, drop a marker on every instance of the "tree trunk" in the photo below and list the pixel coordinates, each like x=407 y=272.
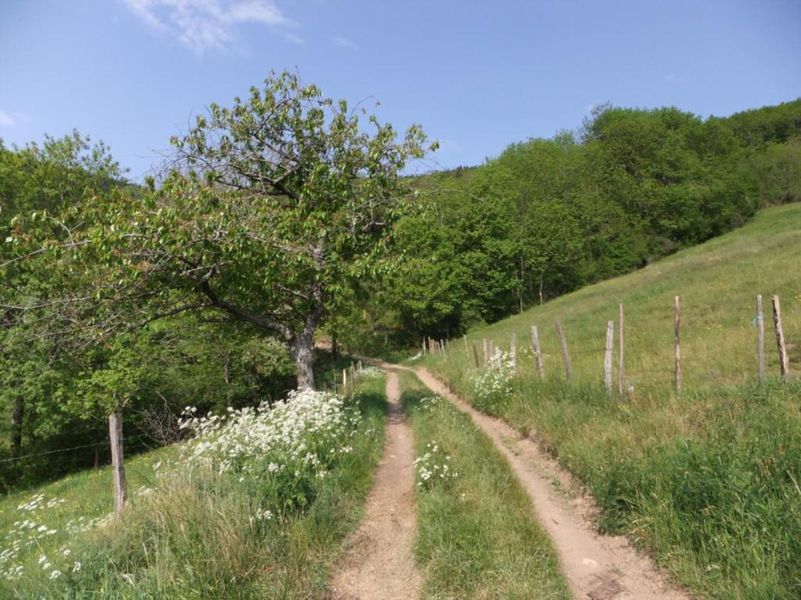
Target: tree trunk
x=16 y=426
x=302 y=353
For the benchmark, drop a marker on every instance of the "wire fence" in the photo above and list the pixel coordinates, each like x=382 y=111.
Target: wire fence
x=478 y=351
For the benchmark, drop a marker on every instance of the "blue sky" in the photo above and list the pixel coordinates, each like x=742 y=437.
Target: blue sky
x=477 y=75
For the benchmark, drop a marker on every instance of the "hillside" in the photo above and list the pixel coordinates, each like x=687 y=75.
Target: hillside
x=706 y=480
x=718 y=282
x=627 y=187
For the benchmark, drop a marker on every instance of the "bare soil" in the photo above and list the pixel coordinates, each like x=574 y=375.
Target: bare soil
x=598 y=567
x=378 y=562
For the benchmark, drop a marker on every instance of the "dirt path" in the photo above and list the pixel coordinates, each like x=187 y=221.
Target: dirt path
x=378 y=564
x=597 y=567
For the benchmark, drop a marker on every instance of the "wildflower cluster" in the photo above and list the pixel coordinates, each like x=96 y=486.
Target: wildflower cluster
x=429 y=403
x=493 y=384
x=433 y=467
x=29 y=532
x=369 y=372
x=285 y=448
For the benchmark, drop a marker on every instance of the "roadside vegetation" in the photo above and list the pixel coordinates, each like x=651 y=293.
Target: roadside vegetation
x=477 y=536
x=255 y=505
x=708 y=479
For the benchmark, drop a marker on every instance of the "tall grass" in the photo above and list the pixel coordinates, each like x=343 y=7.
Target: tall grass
x=200 y=534
x=708 y=480
x=477 y=537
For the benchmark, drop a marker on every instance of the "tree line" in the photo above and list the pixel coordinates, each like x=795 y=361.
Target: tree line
x=550 y=215
x=287 y=214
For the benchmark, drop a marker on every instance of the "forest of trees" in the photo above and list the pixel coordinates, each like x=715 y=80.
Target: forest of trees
x=207 y=287
x=550 y=215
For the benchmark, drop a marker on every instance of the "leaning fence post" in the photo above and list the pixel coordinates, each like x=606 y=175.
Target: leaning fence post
x=565 y=354
x=475 y=355
x=535 y=344
x=677 y=329
x=760 y=322
x=621 y=371
x=610 y=333
x=784 y=367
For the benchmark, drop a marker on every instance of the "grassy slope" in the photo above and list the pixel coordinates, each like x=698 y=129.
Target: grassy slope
x=708 y=480
x=476 y=535
x=198 y=546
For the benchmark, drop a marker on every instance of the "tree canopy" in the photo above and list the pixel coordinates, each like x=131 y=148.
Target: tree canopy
x=271 y=210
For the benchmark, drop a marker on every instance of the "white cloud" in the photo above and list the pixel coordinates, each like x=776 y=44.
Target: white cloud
x=674 y=78
x=344 y=43
x=6 y=120
x=202 y=25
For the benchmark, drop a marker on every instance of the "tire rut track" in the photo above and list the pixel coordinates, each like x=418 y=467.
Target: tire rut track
x=378 y=563
x=596 y=567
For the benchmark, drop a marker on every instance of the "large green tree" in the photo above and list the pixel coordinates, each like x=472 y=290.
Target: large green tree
x=272 y=209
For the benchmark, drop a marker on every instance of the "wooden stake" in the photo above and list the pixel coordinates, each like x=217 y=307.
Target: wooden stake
x=610 y=340
x=475 y=355
x=784 y=366
x=424 y=347
x=344 y=380
x=677 y=329
x=466 y=348
x=565 y=354
x=486 y=350
x=513 y=351
x=621 y=371
x=117 y=461
x=535 y=344
x=760 y=322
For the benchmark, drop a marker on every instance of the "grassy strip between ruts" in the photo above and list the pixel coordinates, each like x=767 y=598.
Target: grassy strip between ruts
x=477 y=537
x=193 y=537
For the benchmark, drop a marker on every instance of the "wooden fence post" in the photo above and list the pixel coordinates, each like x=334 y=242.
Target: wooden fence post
x=677 y=329
x=513 y=351
x=621 y=370
x=466 y=347
x=535 y=344
x=475 y=355
x=424 y=347
x=344 y=381
x=117 y=461
x=565 y=354
x=610 y=340
x=486 y=350
x=760 y=322
x=784 y=366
